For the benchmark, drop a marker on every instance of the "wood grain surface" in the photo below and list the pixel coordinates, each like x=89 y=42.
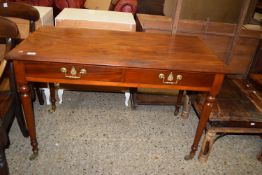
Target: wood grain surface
x=124 y=49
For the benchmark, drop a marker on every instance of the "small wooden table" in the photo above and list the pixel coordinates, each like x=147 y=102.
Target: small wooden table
x=114 y=58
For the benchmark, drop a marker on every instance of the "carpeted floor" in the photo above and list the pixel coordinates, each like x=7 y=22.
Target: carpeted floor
x=94 y=133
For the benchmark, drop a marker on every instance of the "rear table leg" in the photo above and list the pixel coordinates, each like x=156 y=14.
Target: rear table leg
x=179 y=101
x=52 y=94
x=186 y=107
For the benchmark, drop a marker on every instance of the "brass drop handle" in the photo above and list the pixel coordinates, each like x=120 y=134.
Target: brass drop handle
x=170 y=78
x=73 y=73
x=63 y=70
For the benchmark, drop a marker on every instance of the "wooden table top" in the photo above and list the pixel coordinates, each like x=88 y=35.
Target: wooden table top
x=116 y=48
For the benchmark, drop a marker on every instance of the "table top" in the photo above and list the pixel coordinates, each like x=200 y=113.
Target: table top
x=116 y=48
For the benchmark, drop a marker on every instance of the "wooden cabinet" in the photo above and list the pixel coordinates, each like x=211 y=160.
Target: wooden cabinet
x=233 y=43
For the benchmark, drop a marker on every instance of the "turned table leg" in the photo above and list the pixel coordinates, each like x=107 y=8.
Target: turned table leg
x=206 y=110
x=29 y=116
x=179 y=101
x=201 y=125
x=133 y=93
x=186 y=107
x=53 y=99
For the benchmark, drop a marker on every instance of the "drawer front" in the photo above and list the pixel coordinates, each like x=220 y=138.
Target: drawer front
x=73 y=72
x=166 y=77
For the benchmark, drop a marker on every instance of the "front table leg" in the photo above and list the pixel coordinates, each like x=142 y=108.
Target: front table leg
x=29 y=116
x=206 y=110
x=201 y=125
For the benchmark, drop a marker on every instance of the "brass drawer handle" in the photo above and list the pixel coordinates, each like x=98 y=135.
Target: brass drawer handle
x=170 y=78
x=73 y=73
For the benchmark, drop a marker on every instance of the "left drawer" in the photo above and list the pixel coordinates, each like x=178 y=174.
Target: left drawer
x=73 y=72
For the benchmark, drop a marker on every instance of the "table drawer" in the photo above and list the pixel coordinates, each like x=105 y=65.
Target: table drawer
x=166 y=77
x=73 y=72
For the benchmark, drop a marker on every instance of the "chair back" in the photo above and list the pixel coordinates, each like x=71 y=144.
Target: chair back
x=8 y=31
x=8 y=28
x=20 y=10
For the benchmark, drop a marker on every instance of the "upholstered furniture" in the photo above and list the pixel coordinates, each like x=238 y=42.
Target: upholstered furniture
x=60 y=4
x=36 y=2
x=126 y=6
x=120 y=5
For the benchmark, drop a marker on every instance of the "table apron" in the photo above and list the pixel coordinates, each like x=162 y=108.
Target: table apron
x=117 y=76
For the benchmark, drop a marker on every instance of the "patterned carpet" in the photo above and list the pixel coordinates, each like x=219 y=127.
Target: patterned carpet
x=94 y=133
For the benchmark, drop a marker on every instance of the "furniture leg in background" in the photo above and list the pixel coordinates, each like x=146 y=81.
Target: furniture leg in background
x=179 y=101
x=156 y=99
x=186 y=107
x=52 y=95
x=211 y=136
x=133 y=93
x=259 y=156
x=39 y=94
x=3 y=141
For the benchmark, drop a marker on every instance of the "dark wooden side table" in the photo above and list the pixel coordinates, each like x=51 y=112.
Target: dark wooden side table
x=238 y=110
x=120 y=59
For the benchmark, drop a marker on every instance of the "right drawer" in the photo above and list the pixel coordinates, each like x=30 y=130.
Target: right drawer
x=167 y=77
